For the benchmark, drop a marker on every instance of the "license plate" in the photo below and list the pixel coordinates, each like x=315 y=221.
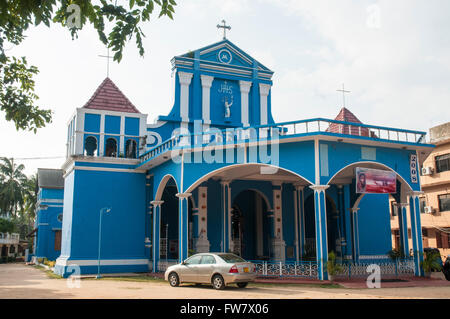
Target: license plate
x=246 y=269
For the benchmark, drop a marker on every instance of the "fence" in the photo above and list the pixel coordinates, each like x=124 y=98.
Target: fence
x=404 y=267
x=306 y=269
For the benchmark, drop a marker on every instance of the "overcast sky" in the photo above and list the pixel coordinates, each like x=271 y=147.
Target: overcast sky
x=394 y=57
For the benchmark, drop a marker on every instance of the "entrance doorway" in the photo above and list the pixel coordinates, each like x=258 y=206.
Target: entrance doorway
x=250 y=227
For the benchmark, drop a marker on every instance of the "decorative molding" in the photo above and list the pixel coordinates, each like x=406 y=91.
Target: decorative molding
x=185 y=78
x=319 y=188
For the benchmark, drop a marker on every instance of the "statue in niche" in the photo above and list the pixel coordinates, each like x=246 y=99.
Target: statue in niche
x=228 y=103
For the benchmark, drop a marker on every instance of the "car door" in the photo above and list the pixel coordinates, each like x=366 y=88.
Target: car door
x=206 y=268
x=188 y=271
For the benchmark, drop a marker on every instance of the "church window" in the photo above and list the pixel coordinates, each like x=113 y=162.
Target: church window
x=131 y=147
x=90 y=146
x=111 y=147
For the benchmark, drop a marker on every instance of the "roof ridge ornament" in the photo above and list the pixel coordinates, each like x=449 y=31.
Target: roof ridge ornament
x=225 y=27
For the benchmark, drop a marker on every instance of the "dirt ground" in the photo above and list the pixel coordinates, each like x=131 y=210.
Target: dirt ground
x=23 y=281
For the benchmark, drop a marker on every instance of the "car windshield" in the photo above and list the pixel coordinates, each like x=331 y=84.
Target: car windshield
x=231 y=258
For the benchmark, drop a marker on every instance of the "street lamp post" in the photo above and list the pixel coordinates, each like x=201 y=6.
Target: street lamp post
x=103 y=210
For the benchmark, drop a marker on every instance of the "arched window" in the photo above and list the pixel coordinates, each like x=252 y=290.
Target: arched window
x=111 y=147
x=131 y=147
x=90 y=146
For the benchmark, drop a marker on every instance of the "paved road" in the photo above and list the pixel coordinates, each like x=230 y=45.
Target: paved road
x=22 y=281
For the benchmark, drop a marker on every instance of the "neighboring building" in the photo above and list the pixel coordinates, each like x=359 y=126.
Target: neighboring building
x=435 y=200
x=49 y=214
x=140 y=196
x=9 y=245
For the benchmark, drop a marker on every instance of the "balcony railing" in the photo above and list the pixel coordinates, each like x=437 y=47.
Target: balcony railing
x=9 y=239
x=286 y=130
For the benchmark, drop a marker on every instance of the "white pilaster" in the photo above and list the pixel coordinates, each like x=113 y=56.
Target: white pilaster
x=79 y=136
x=122 y=136
x=264 y=90
x=185 y=81
x=206 y=98
x=101 y=147
x=245 y=90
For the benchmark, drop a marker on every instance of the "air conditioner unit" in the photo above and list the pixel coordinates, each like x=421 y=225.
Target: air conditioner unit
x=427 y=171
x=429 y=210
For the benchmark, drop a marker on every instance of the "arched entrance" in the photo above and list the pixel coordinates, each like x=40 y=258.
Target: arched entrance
x=250 y=233
x=169 y=222
x=366 y=216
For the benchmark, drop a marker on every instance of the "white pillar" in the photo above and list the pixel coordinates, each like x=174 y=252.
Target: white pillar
x=79 y=135
x=245 y=90
x=101 y=147
x=264 y=90
x=122 y=136
x=185 y=81
x=206 y=98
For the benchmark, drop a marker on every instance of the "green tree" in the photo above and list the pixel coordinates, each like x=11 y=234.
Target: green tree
x=12 y=180
x=30 y=190
x=17 y=97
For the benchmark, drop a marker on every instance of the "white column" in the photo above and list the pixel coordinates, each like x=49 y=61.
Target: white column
x=206 y=98
x=185 y=81
x=79 y=135
x=245 y=90
x=101 y=147
x=122 y=136
x=264 y=90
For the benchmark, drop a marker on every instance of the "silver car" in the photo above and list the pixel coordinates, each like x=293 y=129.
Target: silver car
x=218 y=269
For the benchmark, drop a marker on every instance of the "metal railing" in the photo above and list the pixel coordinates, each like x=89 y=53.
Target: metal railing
x=285 y=130
x=166 y=263
x=401 y=267
x=306 y=269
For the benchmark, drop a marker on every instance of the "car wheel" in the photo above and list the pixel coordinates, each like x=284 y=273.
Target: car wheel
x=218 y=282
x=242 y=284
x=174 y=280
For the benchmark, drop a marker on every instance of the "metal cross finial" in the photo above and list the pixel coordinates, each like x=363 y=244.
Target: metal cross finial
x=225 y=27
x=107 y=62
x=343 y=93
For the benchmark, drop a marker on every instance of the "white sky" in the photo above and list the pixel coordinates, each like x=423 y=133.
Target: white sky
x=394 y=57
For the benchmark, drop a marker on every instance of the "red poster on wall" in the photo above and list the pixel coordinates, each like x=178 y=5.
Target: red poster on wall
x=375 y=181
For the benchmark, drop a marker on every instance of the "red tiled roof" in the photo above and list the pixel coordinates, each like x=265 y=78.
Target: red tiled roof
x=346 y=116
x=109 y=97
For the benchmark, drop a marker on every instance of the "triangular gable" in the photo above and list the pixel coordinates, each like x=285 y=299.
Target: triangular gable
x=109 y=97
x=346 y=115
x=213 y=52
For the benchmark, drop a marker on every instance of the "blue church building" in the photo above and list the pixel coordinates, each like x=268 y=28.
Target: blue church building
x=219 y=174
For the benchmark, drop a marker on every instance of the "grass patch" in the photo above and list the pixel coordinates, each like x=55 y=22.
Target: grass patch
x=50 y=274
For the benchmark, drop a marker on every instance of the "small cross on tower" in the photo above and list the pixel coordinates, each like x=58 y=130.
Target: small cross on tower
x=107 y=62
x=225 y=27
x=343 y=93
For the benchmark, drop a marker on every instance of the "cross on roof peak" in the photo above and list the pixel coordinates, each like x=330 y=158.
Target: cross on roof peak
x=108 y=57
x=343 y=93
x=225 y=27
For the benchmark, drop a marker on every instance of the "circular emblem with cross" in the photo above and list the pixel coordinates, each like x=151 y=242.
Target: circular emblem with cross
x=225 y=56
